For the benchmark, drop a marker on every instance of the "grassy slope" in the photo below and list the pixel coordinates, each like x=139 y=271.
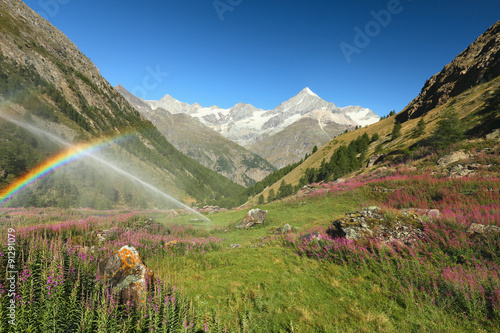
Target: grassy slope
x=464 y=104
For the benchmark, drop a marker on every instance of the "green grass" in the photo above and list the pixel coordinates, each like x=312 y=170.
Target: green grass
x=265 y=287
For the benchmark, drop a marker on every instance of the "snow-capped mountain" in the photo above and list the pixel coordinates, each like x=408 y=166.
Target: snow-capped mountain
x=248 y=125
x=200 y=142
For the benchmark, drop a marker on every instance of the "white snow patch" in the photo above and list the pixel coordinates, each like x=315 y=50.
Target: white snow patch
x=310 y=92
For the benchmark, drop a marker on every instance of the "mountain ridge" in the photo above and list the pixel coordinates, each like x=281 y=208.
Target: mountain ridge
x=267 y=132
x=478 y=63
x=208 y=147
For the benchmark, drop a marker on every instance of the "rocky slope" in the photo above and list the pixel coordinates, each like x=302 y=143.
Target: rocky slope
x=268 y=132
x=46 y=80
x=479 y=63
x=203 y=144
x=292 y=143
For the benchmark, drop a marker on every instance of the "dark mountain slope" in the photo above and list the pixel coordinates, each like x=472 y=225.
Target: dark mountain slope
x=479 y=63
x=46 y=80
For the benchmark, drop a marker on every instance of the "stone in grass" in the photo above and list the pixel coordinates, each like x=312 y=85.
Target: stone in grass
x=253 y=217
x=311 y=236
x=126 y=272
x=286 y=228
x=452 y=158
x=481 y=229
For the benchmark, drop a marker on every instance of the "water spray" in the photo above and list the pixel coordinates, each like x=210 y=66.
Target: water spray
x=90 y=153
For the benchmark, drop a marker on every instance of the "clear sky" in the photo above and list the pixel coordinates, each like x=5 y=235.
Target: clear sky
x=376 y=54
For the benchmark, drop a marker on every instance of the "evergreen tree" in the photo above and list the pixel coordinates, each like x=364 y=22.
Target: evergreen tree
x=449 y=130
x=420 y=128
x=375 y=137
x=271 y=196
x=315 y=149
x=396 y=131
x=261 y=199
x=284 y=190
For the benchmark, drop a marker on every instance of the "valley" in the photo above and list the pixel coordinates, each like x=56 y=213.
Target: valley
x=123 y=214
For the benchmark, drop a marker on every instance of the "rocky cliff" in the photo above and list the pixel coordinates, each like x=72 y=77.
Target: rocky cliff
x=479 y=63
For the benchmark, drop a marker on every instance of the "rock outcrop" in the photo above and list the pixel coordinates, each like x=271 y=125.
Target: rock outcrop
x=126 y=272
x=369 y=223
x=253 y=217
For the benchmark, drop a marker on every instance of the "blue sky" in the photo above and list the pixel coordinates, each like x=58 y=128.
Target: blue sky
x=265 y=51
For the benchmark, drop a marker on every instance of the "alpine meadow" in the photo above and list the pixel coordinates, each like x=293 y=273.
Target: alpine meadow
x=127 y=204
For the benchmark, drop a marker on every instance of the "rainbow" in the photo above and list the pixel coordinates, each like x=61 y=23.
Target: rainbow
x=63 y=158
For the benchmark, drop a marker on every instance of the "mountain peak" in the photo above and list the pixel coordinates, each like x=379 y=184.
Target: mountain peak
x=308 y=91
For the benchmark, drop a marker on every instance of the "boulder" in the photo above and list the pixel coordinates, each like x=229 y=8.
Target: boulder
x=493 y=135
x=375 y=159
x=253 y=217
x=286 y=228
x=126 y=272
x=481 y=229
x=452 y=158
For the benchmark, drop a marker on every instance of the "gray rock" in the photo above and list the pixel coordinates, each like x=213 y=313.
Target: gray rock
x=235 y=246
x=452 y=158
x=286 y=228
x=312 y=236
x=253 y=217
x=481 y=229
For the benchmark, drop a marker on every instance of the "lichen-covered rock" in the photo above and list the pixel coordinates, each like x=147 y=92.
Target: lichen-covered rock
x=370 y=223
x=286 y=228
x=126 y=272
x=253 y=217
x=452 y=158
x=481 y=229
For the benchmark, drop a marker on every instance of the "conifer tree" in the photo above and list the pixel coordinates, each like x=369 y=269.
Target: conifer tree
x=449 y=131
x=271 y=196
x=396 y=131
x=420 y=128
x=261 y=199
